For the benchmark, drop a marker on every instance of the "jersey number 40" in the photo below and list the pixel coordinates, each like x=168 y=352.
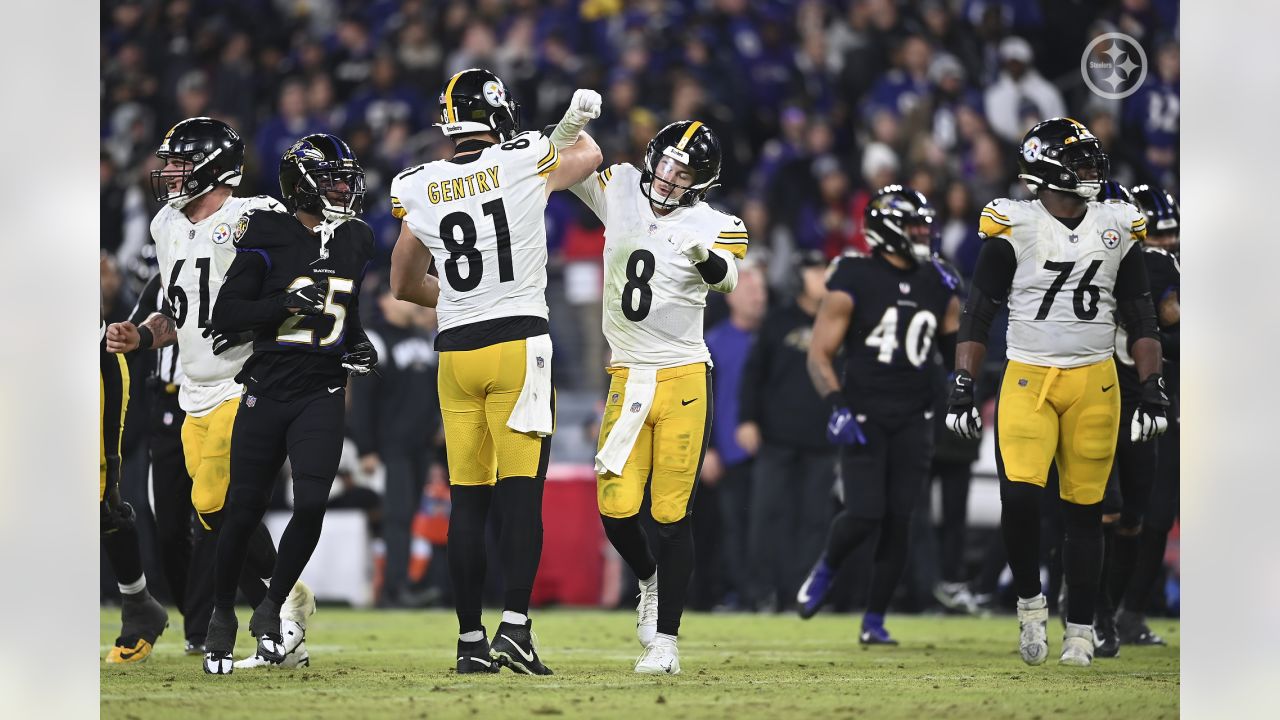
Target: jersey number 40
x=918 y=340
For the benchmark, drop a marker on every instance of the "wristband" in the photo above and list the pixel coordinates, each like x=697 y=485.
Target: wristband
x=146 y=338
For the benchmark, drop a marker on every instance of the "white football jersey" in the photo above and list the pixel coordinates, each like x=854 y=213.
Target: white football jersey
x=654 y=298
x=194 y=259
x=481 y=216
x=1062 y=302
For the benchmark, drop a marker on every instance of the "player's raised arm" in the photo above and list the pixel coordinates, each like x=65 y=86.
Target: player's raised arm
x=577 y=163
x=410 y=266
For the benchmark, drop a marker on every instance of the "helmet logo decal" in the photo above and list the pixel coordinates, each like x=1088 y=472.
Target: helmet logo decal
x=494 y=93
x=1110 y=238
x=1031 y=149
x=304 y=150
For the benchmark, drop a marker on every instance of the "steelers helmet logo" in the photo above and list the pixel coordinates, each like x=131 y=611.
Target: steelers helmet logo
x=1031 y=149
x=494 y=93
x=1110 y=238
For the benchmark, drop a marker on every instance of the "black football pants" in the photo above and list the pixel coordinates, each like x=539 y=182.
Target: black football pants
x=309 y=431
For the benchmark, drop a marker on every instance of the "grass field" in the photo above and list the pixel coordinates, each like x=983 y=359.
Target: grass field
x=399 y=664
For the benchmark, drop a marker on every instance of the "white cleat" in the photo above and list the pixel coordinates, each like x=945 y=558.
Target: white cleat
x=647 y=612
x=295 y=650
x=1033 y=616
x=661 y=657
x=1077 y=646
x=300 y=605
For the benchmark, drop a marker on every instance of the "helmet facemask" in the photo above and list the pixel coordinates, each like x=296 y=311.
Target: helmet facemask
x=194 y=176
x=898 y=226
x=336 y=193
x=662 y=185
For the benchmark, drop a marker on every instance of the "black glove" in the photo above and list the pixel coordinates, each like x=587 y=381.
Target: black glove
x=962 y=417
x=1152 y=416
x=361 y=359
x=223 y=342
x=308 y=299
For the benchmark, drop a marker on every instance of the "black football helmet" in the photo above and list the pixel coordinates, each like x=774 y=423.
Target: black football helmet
x=1055 y=151
x=1160 y=208
x=889 y=220
x=477 y=101
x=1112 y=190
x=214 y=155
x=313 y=173
x=694 y=145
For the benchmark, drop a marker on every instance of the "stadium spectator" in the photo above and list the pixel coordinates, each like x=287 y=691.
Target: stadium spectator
x=1020 y=97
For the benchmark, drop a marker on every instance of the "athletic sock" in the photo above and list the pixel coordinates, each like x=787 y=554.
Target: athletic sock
x=467 y=556
x=520 y=501
x=675 y=568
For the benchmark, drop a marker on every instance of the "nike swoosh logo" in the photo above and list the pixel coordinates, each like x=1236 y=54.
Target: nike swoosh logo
x=334 y=390
x=1108 y=387
x=528 y=657
x=686 y=402
x=737 y=222
x=127 y=654
x=803 y=595
x=474 y=659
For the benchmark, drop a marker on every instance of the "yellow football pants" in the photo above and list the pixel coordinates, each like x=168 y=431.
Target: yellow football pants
x=1071 y=416
x=206 y=447
x=670 y=445
x=478 y=390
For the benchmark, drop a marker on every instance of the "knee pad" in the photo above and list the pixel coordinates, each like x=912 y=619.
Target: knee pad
x=115 y=518
x=209 y=485
x=674 y=530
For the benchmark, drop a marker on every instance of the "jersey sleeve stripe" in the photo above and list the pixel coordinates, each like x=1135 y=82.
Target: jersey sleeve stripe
x=608 y=174
x=549 y=163
x=736 y=249
x=995 y=217
x=999 y=216
x=733 y=235
x=551 y=152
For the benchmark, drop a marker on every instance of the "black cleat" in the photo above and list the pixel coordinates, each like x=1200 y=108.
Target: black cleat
x=1106 y=641
x=194 y=647
x=1132 y=629
x=516 y=647
x=474 y=657
x=265 y=625
x=220 y=642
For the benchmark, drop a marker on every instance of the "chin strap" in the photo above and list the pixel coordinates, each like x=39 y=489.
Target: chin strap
x=326 y=230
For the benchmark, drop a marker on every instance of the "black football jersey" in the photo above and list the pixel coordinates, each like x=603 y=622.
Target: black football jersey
x=889 y=365
x=276 y=254
x=1165 y=278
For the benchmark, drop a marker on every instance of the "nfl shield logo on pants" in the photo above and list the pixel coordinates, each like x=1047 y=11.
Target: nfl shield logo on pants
x=250 y=401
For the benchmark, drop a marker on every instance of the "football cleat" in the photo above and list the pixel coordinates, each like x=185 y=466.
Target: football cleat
x=1033 y=640
x=142 y=620
x=193 y=648
x=220 y=642
x=265 y=625
x=474 y=657
x=295 y=650
x=1131 y=627
x=647 y=612
x=1077 y=646
x=813 y=593
x=517 y=647
x=661 y=657
x=956 y=597
x=874 y=632
x=300 y=605
x=1106 y=639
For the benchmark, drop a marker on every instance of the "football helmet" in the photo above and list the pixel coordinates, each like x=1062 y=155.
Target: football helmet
x=688 y=143
x=320 y=174
x=477 y=101
x=1055 y=151
x=1112 y=190
x=1160 y=208
x=897 y=220
x=213 y=154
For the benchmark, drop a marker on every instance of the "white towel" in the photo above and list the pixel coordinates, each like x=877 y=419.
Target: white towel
x=532 y=412
x=637 y=399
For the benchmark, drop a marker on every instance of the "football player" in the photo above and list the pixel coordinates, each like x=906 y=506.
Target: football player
x=1132 y=585
x=193 y=233
x=664 y=249
x=1065 y=265
x=295 y=284
x=888 y=310
x=478 y=217
x=142 y=619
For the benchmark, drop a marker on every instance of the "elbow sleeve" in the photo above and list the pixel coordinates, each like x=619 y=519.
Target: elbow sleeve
x=713 y=269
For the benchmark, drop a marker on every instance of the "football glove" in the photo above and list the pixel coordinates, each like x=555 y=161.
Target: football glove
x=361 y=359
x=583 y=107
x=223 y=342
x=1152 y=416
x=692 y=247
x=962 y=417
x=842 y=426
x=308 y=299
